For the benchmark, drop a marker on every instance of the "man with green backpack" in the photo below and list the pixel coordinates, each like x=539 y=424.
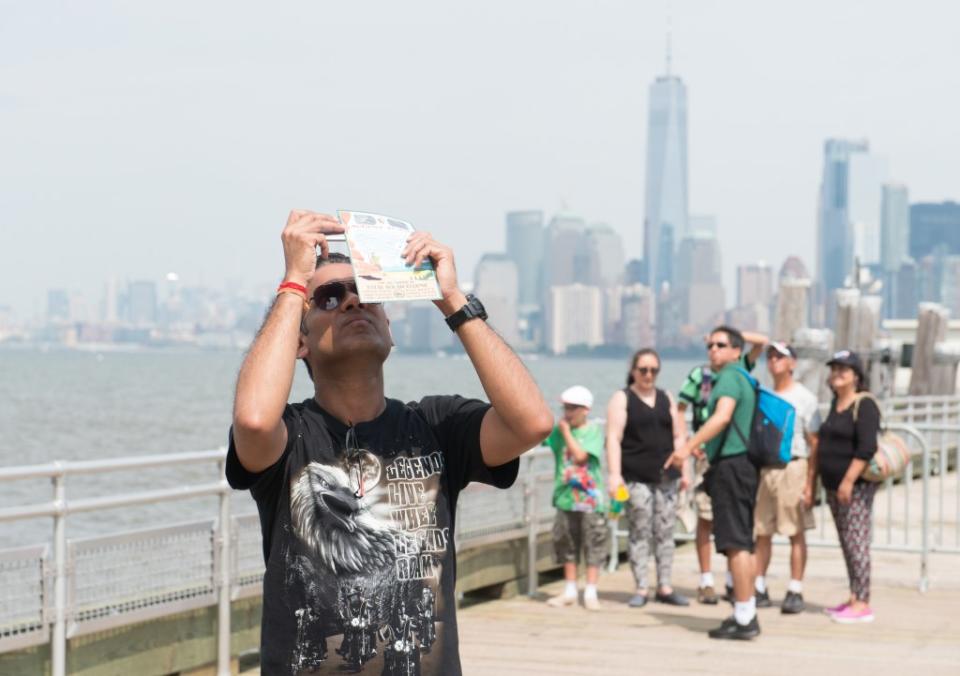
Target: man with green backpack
x=732 y=479
x=695 y=393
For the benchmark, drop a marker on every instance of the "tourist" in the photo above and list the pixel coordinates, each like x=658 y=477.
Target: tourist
x=732 y=478
x=578 y=496
x=643 y=428
x=785 y=497
x=847 y=442
x=356 y=492
x=695 y=393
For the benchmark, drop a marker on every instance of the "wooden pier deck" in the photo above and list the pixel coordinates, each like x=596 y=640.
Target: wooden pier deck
x=913 y=633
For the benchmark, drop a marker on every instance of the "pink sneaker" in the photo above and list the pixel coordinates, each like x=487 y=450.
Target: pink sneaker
x=836 y=609
x=850 y=616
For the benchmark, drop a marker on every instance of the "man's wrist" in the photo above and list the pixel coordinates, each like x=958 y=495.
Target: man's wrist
x=292 y=296
x=452 y=303
x=296 y=278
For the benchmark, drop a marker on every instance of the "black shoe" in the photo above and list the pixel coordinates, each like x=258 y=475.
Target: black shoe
x=672 y=599
x=637 y=601
x=792 y=604
x=731 y=630
x=763 y=599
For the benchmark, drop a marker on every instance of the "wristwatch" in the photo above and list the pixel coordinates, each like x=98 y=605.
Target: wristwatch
x=472 y=310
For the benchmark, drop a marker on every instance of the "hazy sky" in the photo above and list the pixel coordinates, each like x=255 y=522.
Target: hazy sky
x=140 y=138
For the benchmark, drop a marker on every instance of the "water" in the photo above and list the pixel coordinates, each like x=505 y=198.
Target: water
x=63 y=405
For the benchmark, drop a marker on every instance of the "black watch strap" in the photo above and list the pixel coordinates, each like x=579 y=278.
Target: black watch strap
x=472 y=310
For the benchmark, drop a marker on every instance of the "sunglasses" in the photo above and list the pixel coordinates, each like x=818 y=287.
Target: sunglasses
x=329 y=296
x=717 y=345
x=644 y=370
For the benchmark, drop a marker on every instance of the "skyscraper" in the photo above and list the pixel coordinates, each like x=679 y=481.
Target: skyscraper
x=698 y=284
x=849 y=212
x=605 y=250
x=525 y=237
x=866 y=175
x=495 y=281
x=754 y=284
x=574 y=317
x=566 y=261
x=894 y=241
x=934 y=224
x=666 y=179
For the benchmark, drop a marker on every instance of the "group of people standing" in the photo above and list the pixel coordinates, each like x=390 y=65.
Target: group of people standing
x=739 y=506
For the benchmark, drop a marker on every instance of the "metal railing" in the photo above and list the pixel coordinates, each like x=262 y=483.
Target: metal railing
x=54 y=592
x=76 y=595
x=904 y=520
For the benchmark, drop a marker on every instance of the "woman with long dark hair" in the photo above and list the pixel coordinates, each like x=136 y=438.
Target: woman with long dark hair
x=848 y=440
x=643 y=428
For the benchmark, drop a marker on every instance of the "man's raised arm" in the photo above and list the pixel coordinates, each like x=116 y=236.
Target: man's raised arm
x=520 y=418
x=266 y=376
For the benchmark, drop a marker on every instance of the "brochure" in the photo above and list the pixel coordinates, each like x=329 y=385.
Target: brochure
x=376 y=243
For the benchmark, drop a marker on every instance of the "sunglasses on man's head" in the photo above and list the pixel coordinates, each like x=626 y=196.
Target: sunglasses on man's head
x=644 y=370
x=329 y=296
x=717 y=345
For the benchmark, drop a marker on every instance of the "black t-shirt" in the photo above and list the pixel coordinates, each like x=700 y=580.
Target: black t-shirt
x=358 y=539
x=841 y=440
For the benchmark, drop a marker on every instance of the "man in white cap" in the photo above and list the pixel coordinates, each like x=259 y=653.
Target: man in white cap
x=785 y=495
x=579 y=497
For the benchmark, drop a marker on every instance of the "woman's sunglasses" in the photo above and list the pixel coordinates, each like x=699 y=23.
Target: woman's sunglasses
x=644 y=370
x=329 y=296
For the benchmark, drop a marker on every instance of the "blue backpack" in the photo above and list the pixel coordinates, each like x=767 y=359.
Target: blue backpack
x=771 y=433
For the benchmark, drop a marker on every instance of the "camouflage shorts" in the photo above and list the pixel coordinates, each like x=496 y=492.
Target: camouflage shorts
x=573 y=531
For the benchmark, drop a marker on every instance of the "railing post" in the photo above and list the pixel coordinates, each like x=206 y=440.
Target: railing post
x=925 y=511
x=223 y=599
x=530 y=512
x=58 y=649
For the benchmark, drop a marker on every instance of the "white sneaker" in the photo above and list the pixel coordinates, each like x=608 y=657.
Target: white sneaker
x=591 y=602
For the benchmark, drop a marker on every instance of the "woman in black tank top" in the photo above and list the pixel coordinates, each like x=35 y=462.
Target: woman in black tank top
x=643 y=428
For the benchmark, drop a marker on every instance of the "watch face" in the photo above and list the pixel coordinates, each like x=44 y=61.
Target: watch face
x=476 y=308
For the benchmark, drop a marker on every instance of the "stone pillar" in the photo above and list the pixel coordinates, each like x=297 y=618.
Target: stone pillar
x=927 y=376
x=814 y=347
x=792 y=307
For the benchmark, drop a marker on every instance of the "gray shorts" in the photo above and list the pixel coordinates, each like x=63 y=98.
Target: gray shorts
x=573 y=531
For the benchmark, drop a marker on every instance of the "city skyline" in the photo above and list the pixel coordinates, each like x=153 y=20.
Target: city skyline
x=130 y=159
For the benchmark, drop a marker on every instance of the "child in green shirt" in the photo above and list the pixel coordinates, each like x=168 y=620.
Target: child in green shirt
x=579 y=496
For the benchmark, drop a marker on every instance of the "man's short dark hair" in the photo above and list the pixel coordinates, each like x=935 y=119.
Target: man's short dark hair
x=733 y=335
x=332 y=257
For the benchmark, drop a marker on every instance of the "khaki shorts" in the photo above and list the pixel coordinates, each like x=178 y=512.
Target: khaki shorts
x=700 y=498
x=779 y=501
x=573 y=531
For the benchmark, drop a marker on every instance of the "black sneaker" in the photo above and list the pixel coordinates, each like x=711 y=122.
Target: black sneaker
x=739 y=632
x=792 y=604
x=763 y=599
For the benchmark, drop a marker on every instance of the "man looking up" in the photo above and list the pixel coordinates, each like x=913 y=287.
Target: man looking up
x=786 y=494
x=357 y=493
x=731 y=481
